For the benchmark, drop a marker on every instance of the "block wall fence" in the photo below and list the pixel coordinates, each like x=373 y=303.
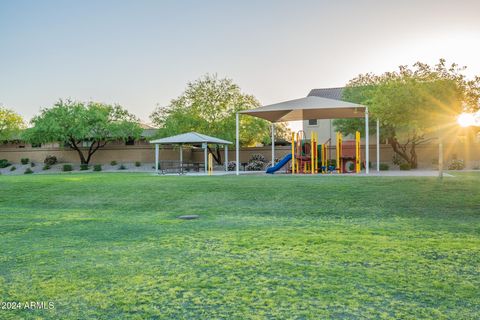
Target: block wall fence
x=427 y=154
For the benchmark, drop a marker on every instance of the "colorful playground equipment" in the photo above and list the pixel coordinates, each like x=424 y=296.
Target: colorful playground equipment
x=309 y=157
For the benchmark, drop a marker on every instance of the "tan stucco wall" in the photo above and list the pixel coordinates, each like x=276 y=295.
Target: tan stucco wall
x=427 y=154
x=143 y=153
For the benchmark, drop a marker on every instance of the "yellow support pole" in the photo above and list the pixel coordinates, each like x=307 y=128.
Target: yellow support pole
x=300 y=163
x=293 y=153
x=312 y=152
x=357 y=152
x=210 y=164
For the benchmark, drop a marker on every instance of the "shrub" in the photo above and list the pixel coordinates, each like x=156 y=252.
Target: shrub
x=84 y=166
x=28 y=171
x=257 y=162
x=67 y=167
x=50 y=160
x=24 y=160
x=46 y=167
x=405 y=166
x=456 y=165
x=258 y=157
x=113 y=163
x=4 y=163
x=32 y=164
x=122 y=167
x=384 y=167
x=13 y=168
x=255 y=165
x=232 y=165
x=138 y=163
x=97 y=167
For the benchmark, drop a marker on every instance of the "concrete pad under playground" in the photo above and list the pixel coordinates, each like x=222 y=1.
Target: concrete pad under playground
x=392 y=173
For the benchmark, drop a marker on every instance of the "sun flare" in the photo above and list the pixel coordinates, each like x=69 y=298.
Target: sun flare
x=466 y=119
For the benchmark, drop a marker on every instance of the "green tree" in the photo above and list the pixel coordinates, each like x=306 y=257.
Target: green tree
x=73 y=123
x=414 y=105
x=208 y=105
x=10 y=124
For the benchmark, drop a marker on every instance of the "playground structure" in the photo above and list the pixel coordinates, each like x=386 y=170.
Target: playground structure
x=315 y=106
x=309 y=157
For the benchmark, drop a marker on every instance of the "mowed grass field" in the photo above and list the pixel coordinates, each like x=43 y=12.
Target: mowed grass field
x=109 y=246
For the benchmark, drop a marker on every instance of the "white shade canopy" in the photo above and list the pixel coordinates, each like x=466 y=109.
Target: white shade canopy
x=308 y=108
x=190 y=138
x=311 y=107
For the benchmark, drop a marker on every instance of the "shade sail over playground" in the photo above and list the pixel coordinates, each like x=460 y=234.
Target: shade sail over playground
x=190 y=138
x=308 y=108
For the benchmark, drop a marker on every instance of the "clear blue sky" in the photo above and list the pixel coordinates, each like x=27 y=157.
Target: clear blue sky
x=139 y=53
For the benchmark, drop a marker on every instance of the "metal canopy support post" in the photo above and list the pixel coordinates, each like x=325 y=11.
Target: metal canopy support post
x=378 y=145
x=181 y=156
x=273 y=144
x=367 y=143
x=205 y=153
x=237 y=144
x=156 y=158
x=226 y=157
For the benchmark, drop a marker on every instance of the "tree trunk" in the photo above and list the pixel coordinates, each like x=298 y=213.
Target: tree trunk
x=94 y=149
x=413 y=156
x=91 y=150
x=397 y=148
x=218 y=156
x=401 y=150
x=82 y=157
x=74 y=146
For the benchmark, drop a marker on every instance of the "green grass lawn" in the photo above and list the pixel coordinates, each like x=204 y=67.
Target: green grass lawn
x=109 y=246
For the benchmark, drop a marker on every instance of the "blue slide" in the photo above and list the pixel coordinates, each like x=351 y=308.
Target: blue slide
x=280 y=164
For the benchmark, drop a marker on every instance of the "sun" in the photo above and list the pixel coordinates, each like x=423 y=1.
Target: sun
x=466 y=119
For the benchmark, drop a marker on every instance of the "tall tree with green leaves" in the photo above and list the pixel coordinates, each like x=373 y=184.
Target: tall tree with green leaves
x=84 y=127
x=208 y=105
x=414 y=105
x=10 y=124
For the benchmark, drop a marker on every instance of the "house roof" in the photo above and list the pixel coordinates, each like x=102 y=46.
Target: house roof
x=310 y=107
x=148 y=133
x=146 y=126
x=329 y=93
x=190 y=138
